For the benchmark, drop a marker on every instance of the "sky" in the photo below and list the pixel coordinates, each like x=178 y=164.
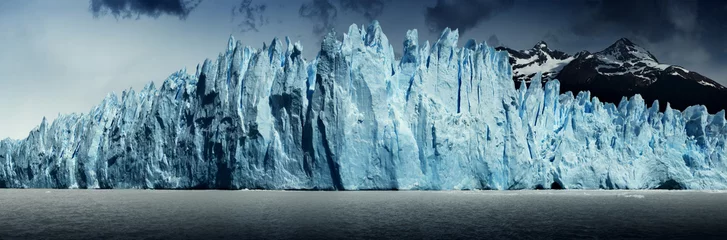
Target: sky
x=61 y=57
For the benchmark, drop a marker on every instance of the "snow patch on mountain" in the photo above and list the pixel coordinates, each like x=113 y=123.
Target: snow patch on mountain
x=539 y=59
x=549 y=67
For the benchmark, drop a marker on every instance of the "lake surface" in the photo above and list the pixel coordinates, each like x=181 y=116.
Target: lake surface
x=159 y=214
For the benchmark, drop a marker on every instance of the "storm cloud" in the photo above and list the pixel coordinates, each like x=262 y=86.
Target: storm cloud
x=324 y=13
x=138 y=8
x=677 y=32
x=251 y=16
x=652 y=20
x=370 y=9
x=463 y=14
x=321 y=12
x=494 y=41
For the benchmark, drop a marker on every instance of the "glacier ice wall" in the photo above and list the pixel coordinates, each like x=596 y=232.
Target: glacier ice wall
x=442 y=117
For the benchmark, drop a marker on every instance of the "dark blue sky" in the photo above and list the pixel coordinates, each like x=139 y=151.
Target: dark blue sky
x=65 y=56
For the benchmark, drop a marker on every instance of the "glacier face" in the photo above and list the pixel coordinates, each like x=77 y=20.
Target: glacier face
x=442 y=117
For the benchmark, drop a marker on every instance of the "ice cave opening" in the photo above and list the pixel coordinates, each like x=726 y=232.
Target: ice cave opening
x=556 y=186
x=671 y=184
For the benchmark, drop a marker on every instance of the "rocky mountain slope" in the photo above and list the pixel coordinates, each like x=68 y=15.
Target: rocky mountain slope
x=622 y=69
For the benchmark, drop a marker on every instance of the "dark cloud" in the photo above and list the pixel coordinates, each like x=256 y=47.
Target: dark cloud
x=493 y=41
x=251 y=15
x=137 y=8
x=551 y=38
x=652 y=20
x=463 y=14
x=371 y=9
x=685 y=33
x=322 y=12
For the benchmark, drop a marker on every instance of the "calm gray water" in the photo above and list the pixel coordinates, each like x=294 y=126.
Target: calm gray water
x=149 y=214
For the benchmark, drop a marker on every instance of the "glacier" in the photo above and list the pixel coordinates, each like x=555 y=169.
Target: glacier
x=442 y=117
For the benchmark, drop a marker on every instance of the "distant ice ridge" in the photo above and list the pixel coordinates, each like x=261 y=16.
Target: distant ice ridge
x=442 y=117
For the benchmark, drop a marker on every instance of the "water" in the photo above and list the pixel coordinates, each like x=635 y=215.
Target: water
x=148 y=214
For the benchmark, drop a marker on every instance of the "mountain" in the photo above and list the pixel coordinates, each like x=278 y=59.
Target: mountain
x=622 y=69
x=442 y=117
x=540 y=59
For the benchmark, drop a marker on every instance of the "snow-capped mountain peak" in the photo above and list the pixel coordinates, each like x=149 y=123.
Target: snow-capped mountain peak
x=622 y=69
x=539 y=59
x=625 y=69
x=625 y=50
x=541 y=45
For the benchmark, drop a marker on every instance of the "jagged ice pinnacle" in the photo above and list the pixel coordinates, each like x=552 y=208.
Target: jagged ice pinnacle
x=442 y=117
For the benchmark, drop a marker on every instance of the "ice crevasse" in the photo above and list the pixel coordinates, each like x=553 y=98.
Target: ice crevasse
x=441 y=117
